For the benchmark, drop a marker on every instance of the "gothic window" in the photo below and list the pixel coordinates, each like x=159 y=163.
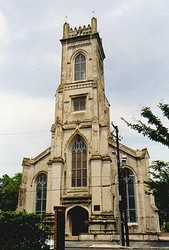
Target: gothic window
x=80 y=67
x=129 y=179
x=79 y=163
x=79 y=103
x=41 y=193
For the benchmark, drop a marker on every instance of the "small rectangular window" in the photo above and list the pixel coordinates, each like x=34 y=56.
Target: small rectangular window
x=96 y=207
x=79 y=103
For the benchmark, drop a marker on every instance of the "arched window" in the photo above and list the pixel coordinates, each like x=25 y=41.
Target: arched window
x=41 y=193
x=80 y=67
x=129 y=179
x=79 y=163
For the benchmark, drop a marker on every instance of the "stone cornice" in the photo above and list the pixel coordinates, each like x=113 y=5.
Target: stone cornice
x=139 y=154
x=27 y=161
x=100 y=157
x=56 y=160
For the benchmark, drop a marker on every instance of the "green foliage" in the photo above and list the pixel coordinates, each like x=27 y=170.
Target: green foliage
x=22 y=231
x=9 y=190
x=154 y=129
x=159 y=186
x=166 y=227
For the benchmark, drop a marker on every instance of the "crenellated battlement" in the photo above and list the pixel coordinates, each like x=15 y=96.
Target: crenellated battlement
x=80 y=31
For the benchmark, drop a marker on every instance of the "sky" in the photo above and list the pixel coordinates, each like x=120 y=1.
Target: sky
x=135 y=37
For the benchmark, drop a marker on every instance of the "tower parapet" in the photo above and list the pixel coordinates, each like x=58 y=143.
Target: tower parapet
x=80 y=31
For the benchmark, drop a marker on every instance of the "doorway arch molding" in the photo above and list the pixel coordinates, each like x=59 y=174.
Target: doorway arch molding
x=78 y=217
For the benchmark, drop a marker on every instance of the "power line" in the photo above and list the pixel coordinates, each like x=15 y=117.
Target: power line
x=8 y=164
x=21 y=135
x=89 y=186
x=28 y=132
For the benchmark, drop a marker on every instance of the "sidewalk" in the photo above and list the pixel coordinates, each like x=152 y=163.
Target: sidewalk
x=164 y=236
x=163 y=243
x=113 y=245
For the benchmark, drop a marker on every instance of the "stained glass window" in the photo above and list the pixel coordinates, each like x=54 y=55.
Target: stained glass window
x=41 y=193
x=80 y=67
x=79 y=163
x=129 y=179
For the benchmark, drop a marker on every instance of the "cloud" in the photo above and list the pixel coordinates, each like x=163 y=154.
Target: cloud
x=135 y=39
x=4 y=38
x=19 y=110
x=3 y=28
x=24 y=128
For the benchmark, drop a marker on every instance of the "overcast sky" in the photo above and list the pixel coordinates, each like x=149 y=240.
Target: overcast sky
x=135 y=37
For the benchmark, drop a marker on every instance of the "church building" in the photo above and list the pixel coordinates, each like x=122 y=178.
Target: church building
x=79 y=170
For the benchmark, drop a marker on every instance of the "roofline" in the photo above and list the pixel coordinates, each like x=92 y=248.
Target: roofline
x=139 y=153
x=27 y=161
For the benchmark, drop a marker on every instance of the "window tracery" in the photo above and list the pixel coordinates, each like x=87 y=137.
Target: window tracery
x=41 y=193
x=79 y=163
x=80 y=67
x=129 y=179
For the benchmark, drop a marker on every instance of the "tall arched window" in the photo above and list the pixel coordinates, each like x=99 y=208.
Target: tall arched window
x=80 y=67
x=129 y=179
x=41 y=193
x=79 y=163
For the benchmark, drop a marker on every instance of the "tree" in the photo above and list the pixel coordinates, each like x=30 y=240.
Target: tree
x=154 y=130
x=9 y=190
x=22 y=231
x=158 y=185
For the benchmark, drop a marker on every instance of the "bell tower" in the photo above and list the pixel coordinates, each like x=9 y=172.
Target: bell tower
x=80 y=98
x=86 y=41
x=79 y=149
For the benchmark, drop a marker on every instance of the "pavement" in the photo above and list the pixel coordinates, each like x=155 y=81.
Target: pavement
x=110 y=245
x=162 y=243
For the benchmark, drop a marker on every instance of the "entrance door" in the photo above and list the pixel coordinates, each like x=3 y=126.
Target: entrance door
x=79 y=217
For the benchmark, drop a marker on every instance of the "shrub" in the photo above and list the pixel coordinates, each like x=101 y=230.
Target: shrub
x=22 y=231
x=166 y=227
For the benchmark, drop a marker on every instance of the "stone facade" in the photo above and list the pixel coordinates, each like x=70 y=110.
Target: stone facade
x=79 y=170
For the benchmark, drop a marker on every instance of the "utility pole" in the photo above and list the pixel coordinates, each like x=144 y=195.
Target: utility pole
x=123 y=225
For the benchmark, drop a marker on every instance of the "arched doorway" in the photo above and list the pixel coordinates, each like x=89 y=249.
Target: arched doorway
x=79 y=220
